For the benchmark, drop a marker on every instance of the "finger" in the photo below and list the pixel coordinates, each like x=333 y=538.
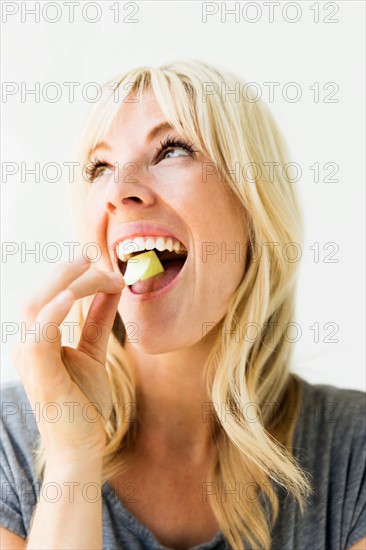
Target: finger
x=60 y=280
x=53 y=313
x=98 y=326
x=45 y=368
x=94 y=281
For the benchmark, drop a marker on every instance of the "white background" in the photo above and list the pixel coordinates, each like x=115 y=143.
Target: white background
x=304 y=52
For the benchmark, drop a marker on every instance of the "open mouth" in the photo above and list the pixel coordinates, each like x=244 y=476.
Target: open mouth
x=172 y=262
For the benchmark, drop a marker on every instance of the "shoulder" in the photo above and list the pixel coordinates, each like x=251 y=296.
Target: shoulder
x=330 y=443
x=330 y=414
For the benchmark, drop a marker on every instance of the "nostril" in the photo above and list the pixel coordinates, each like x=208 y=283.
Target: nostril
x=134 y=199
x=110 y=207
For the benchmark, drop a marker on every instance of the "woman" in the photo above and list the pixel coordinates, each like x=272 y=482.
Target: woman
x=184 y=427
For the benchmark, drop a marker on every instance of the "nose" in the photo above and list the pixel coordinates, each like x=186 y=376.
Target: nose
x=128 y=189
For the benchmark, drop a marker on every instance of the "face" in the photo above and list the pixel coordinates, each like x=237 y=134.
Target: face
x=140 y=190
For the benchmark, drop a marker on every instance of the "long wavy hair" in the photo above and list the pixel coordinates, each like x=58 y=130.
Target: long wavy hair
x=232 y=130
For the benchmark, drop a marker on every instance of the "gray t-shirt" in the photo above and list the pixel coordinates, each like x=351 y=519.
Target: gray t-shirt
x=329 y=443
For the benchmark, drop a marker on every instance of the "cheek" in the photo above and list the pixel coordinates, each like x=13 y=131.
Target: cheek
x=216 y=224
x=220 y=229
x=221 y=245
x=179 y=183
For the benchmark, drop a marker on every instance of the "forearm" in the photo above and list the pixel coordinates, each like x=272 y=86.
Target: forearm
x=68 y=515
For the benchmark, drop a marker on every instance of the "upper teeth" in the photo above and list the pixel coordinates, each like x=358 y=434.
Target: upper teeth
x=138 y=244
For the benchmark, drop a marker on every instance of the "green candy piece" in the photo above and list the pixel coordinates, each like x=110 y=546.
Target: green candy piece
x=141 y=267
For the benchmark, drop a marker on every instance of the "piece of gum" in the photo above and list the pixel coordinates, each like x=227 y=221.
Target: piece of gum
x=141 y=267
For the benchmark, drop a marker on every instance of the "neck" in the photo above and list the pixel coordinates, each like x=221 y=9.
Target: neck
x=172 y=401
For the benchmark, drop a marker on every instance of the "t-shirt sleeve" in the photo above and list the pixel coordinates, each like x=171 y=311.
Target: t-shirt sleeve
x=18 y=434
x=355 y=494
x=10 y=504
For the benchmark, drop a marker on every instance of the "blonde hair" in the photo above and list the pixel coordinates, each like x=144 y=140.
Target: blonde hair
x=239 y=371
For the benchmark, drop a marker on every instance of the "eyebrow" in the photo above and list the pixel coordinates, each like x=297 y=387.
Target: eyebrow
x=100 y=145
x=154 y=132
x=157 y=130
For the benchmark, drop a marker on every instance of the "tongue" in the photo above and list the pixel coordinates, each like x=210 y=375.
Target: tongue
x=171 y=270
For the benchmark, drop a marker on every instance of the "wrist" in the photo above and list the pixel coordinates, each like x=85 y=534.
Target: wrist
x=69 y=462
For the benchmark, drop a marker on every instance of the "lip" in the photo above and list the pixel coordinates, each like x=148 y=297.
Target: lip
x=131 y=230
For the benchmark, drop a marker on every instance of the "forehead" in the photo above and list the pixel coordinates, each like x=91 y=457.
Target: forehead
x=139 y=120
x=137 y=113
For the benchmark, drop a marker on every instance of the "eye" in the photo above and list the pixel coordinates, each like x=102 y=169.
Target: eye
x=175 y=148
x=97 y=169
x=170 y=153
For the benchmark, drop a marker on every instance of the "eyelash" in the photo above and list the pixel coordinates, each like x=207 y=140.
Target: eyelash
x=169 y=143
x=173 y=143
x=93 y=170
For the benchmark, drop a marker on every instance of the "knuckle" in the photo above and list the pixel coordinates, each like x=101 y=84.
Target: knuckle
x=29 y=310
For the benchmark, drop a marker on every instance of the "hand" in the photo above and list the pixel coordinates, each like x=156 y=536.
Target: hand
x=70 y=385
